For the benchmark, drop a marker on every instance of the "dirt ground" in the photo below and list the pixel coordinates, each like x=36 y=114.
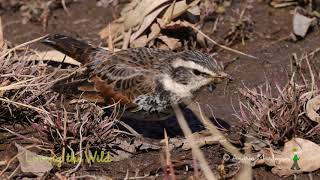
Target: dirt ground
x=267 y=43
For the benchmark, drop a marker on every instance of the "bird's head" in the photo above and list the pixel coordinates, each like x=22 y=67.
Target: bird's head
x=192 y=70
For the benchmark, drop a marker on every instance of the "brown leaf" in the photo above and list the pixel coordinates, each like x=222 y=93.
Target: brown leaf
x=172 y=43
x=194 y=10
x=53 y=55
x=163 y=46
x=136 y=16
x=146 y=23
x=32 y=162
x=282 y=161
x=155 y=31
x=132 y=16
x=124 y=150
x=129 y=7
x=171 y=25
x=180 y=7
x=140 y=42
x=313 y=105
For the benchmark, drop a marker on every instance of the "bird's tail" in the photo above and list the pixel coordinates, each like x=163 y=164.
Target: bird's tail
x=72 y=47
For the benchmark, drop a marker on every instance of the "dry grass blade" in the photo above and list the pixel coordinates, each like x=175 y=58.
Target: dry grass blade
x=20 y=84
x=247 y=172
x=63 y=2
x=177 y=9
x=168 y=156
x=24 y=105
x=144 y=8
x=167 y=17
x=1 y=35
x=146 y=23
x=21 y=45
x=215 y=132
x=196 y=150
x=214 y=42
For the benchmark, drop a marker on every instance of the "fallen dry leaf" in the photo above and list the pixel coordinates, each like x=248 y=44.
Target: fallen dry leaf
x=129 y=7
x=140 y=42
x=53 y=55
x=155 y=31
x=180 y=7
x=282 y=161
x=146 y=23
x=171 y=25
x=32 y=162
x=163 y=46
x=194 y=10
x=313 y=105
x=136 y=16
x=172 y=43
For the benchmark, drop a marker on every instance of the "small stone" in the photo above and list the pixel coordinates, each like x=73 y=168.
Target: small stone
x=301 y=24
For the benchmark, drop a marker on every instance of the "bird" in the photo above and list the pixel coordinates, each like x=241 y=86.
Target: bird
x=146 y=82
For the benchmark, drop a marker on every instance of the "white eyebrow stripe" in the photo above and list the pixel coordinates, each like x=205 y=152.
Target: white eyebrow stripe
x=189 y=64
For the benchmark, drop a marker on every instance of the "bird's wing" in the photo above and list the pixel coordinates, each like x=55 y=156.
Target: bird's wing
x=122 y=76
x=122 y=83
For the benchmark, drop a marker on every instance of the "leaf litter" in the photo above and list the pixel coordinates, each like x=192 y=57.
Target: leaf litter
x=263 y=106
x=291 y=119
x=143 y=16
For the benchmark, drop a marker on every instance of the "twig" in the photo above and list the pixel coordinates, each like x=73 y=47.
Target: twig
x=224 y=142
x=80 y=147
x=172 y=6
x=2 y=163
x=22 y=84
x=31 y=139
x=13 y=158
x=168 y=156
x=110 y=42
x=14 y=172
x=24 y=105
x=1 y=35
x=130 y=129
x=196 y=150
x=65 y=119
x=215 y=132
x=8 y=163
x=63 y=2
x=312 y=77
x=214 y=42
x=21 y=45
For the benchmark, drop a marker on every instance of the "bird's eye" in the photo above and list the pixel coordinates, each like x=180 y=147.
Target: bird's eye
x=196 y=72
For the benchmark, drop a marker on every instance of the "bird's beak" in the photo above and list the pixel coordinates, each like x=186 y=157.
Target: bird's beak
x=48 y=40
x=220 y=76
x=223 y=75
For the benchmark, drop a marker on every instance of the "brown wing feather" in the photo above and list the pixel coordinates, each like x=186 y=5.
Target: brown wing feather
x=122 y=76
x=122 y=89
